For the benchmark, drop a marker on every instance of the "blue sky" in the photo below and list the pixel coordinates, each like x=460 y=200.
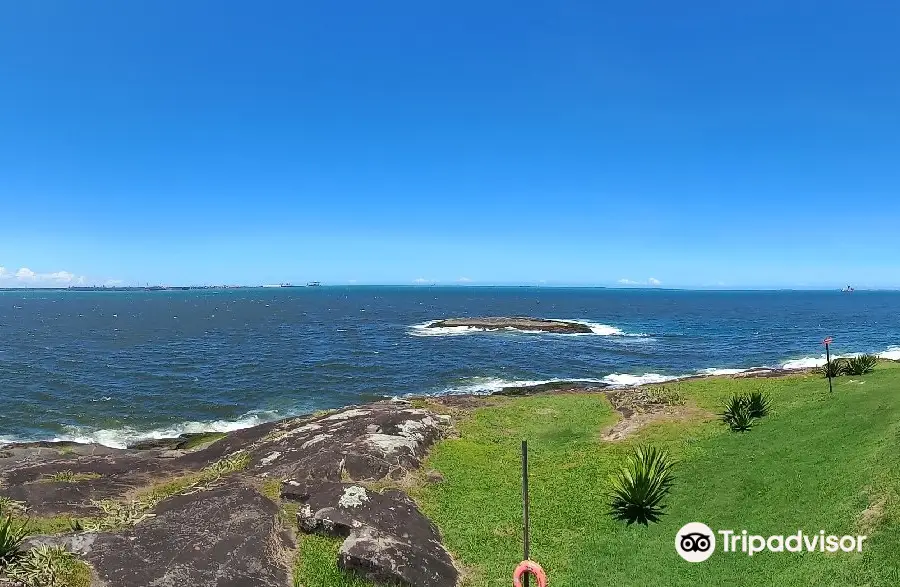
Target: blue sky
x=691 y=144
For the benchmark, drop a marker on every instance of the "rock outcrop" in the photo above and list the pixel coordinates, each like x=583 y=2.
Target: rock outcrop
x=226 y=536
x=223 y=532
x=515 y=323
x=387 y=538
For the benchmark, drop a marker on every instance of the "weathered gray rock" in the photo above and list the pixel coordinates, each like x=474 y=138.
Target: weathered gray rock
x=387 y=538
x=30 y=479
x=81 y=543
x=368 y=443
x=226 y=537
x=229 y=536
x=514 y=323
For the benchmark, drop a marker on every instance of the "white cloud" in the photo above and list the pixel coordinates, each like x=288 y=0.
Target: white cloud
x=61 y=276
x=26 y=277
x=652 y=282
x=420 y=280
x=111 y=282
x=26 y=274
x=464 y=280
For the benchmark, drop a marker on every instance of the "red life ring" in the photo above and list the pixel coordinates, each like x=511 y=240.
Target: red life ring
x=532 y=568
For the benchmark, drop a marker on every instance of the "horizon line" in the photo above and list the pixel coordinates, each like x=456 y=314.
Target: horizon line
x=170 y=287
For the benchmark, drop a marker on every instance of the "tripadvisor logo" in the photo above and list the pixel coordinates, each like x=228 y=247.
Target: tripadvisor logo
x=696 y=542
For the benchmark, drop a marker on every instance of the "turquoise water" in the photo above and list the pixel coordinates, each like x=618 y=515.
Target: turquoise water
x=117 y=366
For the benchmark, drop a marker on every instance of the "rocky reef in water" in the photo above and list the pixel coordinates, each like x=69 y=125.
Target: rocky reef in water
x=514 y=323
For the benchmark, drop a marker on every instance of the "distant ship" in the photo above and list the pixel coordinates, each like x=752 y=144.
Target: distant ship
x=847 y=289
x=313 y=284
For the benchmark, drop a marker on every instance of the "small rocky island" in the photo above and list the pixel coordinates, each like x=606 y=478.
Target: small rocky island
x=514 y=323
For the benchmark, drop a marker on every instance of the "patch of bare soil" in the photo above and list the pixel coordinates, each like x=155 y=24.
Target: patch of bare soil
x=870 y=517
x=642 y=406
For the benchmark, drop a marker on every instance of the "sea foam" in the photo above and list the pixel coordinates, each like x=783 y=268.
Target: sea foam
x=122 y=437
x=893 y=353
x=626 y=380
x=489 y=385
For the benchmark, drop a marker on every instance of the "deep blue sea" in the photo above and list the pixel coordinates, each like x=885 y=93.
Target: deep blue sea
x=118 y=366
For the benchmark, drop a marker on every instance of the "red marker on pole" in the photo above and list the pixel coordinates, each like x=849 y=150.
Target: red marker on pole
x=828 y=341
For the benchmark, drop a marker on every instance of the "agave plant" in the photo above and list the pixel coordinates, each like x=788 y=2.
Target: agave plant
x=639 y=486
x=758 y=404
x=861 y=365
x=834 y=368
x=11 y=537
x=737 y=413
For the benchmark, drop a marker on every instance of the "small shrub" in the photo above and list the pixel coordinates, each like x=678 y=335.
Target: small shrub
x=116 y=515
x=69 y=477
x=236 y=461
x=668 y=396
x=11 y=537
x=861 y=365
x=47 y=566
x=758 y=404
x=737 y=413
x=638 y=488
x=11 y=506
x=835 y=368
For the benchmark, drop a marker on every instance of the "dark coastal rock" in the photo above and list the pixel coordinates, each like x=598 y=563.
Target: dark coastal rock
x=80 y=543
x=368 y=443
x=107 y=476
x=516 y=323
x=227 y=534
x=226 y=537
x=387 y=538
x=553 y=386
x=183 y=442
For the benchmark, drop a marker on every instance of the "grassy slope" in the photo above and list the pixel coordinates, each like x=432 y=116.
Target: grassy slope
x=816 y=463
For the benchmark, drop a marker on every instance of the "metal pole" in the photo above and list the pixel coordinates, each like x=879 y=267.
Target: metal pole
x=525 y=530
x=828 y=360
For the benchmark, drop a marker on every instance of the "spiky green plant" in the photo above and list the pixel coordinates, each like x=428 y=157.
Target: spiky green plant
x=861 y=365
x=834 y=368
x=44 y=566
x=11 y=506
x=638 y=488
x=12 y=535
x=737 y=413
x=236 y=461
x=758 y=404
x=117 y=514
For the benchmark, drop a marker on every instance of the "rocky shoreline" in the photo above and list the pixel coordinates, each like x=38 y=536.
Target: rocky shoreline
x=211 y=529
x=195 y=509
x=514 y=323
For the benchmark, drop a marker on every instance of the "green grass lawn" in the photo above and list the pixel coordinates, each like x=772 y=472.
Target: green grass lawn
x=817 y=462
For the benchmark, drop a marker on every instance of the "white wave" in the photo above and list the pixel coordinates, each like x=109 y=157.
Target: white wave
x=597 y=329
x=804 y=363
x=626 y=380
x=122 y=437
x=893 y=353
x=815 y=362
x=714 y=371
x=489 y=385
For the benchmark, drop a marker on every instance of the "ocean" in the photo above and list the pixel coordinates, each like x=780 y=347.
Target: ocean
x=115 y=367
